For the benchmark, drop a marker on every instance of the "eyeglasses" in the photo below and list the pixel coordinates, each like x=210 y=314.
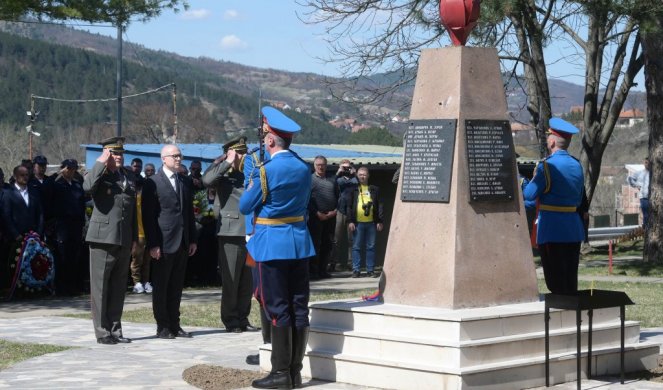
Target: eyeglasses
x=175 y=156
x=117 y=153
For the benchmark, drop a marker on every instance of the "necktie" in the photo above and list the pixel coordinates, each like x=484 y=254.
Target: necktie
x=176 y=184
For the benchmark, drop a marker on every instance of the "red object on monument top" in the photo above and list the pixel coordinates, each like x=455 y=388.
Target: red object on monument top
x=459 y=17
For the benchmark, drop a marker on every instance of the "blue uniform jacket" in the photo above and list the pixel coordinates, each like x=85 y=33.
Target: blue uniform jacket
x=250 y=169
x=289 y=183
x=564 y=189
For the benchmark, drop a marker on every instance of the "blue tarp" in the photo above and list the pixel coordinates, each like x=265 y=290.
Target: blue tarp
x=206 y=153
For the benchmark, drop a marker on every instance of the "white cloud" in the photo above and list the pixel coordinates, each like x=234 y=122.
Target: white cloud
x=195 y=14
x=230 y=14
x=232 y=42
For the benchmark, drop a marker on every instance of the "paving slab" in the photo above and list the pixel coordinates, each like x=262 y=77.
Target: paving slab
x=149 y=362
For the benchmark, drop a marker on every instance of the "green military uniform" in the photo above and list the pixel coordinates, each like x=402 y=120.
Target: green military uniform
x=111 y=232
x=235 y=274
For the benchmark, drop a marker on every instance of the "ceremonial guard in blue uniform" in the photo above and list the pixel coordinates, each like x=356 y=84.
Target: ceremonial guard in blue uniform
x=557 y=185
x=251 y=163
x=278 y=197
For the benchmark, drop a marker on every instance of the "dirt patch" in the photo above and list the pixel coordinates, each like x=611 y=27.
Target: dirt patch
x=208 y=377
x=653 y=375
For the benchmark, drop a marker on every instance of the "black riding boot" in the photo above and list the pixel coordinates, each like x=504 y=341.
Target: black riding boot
x=299 y=340
x=279 y=377
x=266 y=337
x=266 y=328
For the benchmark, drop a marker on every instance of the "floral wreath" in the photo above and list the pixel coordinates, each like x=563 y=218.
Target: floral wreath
x=34 y=266
x=201 y=207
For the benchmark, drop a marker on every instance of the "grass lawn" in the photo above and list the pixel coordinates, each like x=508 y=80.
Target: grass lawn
x=596 y=262
x=11 y=353
x=209 y=314
x=647 y=309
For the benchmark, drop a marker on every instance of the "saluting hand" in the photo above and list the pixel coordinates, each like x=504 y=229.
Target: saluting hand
x=105 y=155
x=220 y=159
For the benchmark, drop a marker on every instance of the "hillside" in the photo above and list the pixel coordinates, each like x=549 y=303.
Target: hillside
x=307 y=91
x=215 y=99
x=209 y=108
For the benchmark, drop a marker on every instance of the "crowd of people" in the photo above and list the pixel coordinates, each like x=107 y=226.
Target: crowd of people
x=141 y=227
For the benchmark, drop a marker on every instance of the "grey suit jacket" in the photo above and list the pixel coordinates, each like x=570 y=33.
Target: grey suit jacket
x=229 y=187
x=113 y=219
x=168 y=218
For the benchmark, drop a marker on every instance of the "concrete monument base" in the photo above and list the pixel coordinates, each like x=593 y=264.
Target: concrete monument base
x=501 y=347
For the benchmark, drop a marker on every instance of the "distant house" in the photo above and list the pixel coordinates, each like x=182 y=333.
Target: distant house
x=282 y=105
x=629 y=118
x=523 y=134
x=398 y=118
x=346 y=124
x=358 y=126
x=576 y=109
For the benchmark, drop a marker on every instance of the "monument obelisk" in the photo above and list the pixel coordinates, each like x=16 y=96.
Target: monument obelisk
x=459 y=235
x=461 y=308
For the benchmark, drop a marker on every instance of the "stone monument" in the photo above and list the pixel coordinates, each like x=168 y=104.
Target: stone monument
x=461 y=307
x=459 y=235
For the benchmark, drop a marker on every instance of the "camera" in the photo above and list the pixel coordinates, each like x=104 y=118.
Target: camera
x=345 y=171
x=367 y=208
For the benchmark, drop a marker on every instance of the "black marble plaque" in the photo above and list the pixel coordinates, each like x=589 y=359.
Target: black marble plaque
x=490 y=156
x=429 y=155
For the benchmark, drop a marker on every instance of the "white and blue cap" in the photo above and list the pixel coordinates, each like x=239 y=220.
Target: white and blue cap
x=278 y=123
x=562 y=128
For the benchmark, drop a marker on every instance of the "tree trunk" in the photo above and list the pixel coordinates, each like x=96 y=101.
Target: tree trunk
x=652 y=48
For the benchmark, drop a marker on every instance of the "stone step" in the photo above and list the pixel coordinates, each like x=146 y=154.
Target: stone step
x=445 y=325
x=519 y=373
x=464 y=353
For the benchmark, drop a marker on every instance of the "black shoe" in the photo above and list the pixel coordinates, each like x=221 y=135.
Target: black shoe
x=108 y=340
x=356 y=274
x=182 y=333
x=275 y=380
x=324 y=275
x=375 y=275
x=122 y=340
x=253 y=360
x=234 y=329
x=249 y=328
x=296 y=380
x=165 y=334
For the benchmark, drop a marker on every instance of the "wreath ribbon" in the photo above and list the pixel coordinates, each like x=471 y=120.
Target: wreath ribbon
x=33 y=257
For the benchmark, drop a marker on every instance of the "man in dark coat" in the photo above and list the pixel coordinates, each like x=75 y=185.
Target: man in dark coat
x=69 y=214
x=170 y=235
x=21 y=207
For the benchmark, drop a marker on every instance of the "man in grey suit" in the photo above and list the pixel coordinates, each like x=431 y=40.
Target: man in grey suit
x=111 y=234
x=226 y=177
x=170 y=235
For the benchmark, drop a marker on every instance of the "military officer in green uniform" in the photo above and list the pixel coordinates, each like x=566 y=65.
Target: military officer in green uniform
x=226 y=177
x=111 y=235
